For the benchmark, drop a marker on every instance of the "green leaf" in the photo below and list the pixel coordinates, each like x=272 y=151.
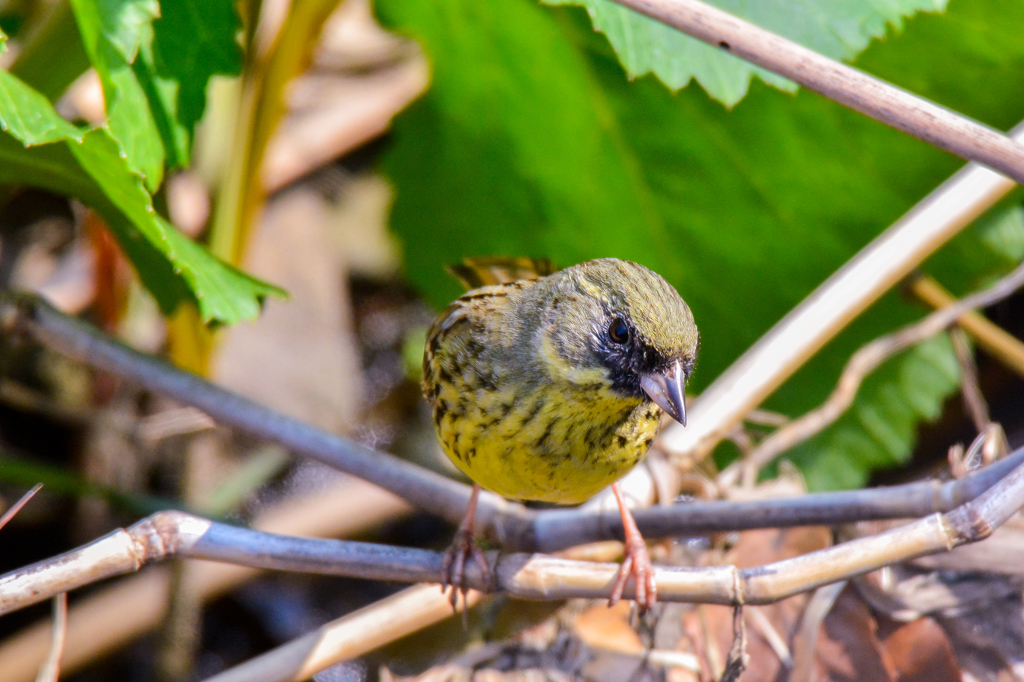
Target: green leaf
x=223 y=293
x=113 y=31
x=28 y=116
x=533 y=142
x=1003 y=234
x=840 y=30
x=114 y=25
x=89 y=166
x=880 y=428
x=195 y=40
x=155 y=71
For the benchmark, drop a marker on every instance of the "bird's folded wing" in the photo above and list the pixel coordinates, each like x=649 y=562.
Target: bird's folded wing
x=473 y=273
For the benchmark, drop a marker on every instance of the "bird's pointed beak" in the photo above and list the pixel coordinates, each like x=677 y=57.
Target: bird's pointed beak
x=667 y=389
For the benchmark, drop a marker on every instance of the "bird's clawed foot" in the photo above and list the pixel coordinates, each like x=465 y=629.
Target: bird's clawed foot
x=457 y=557
x=636 y=562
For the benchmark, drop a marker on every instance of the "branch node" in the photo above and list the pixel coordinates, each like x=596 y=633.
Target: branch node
x=968 y=524
x=165 y=534
x=739 y=597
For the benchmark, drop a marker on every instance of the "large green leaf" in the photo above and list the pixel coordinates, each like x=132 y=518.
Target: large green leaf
x=880 y=428
x=114 y=25
x=155 y=71
x=532 y=141
x=194 y=41
x=840 y=30
x=42 y=150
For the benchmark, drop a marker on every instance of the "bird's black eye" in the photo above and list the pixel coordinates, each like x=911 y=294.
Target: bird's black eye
x=618 y=331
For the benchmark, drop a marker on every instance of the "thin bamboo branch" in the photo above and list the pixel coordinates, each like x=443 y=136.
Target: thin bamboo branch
x=995 y=340
x=13 y=510
x=835 y=303
x=846 y=85
x=531 y=576
x=805 y=642
x=974 y=399
x=384 y=622
x=771 y=635
x=862 y=363
x=115 y=615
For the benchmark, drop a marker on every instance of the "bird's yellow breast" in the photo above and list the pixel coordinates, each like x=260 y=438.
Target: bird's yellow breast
x=546 y=444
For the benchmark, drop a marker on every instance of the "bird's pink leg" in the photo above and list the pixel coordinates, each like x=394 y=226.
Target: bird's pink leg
x=462 y=550
x=636 y=561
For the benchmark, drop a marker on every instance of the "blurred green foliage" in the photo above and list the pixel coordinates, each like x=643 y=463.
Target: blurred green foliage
x=154 y=74
x=533 y=141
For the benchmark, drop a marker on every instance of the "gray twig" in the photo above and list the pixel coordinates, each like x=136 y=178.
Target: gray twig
x=974 y=399
x=30 y=315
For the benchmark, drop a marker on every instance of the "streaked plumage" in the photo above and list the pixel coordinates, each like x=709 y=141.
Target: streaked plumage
x=545 y=388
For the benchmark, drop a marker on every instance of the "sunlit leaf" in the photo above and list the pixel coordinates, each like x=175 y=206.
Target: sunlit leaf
x=840 y=30
x=28 y=116
x=155 y=71
x=42 y=150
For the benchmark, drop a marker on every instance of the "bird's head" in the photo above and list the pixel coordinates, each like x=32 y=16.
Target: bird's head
x=618 y=326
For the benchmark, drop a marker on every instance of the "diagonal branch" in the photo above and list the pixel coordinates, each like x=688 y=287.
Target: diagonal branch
x=998 y=342
x=862 y=363
x=13 y=510
x=846 y=85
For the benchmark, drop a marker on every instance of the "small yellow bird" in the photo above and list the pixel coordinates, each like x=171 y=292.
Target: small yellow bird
x=550 y=386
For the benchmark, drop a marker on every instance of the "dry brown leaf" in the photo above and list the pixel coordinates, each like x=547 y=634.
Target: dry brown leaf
x=601 y=627
x=848 y=646
x=920 y=651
